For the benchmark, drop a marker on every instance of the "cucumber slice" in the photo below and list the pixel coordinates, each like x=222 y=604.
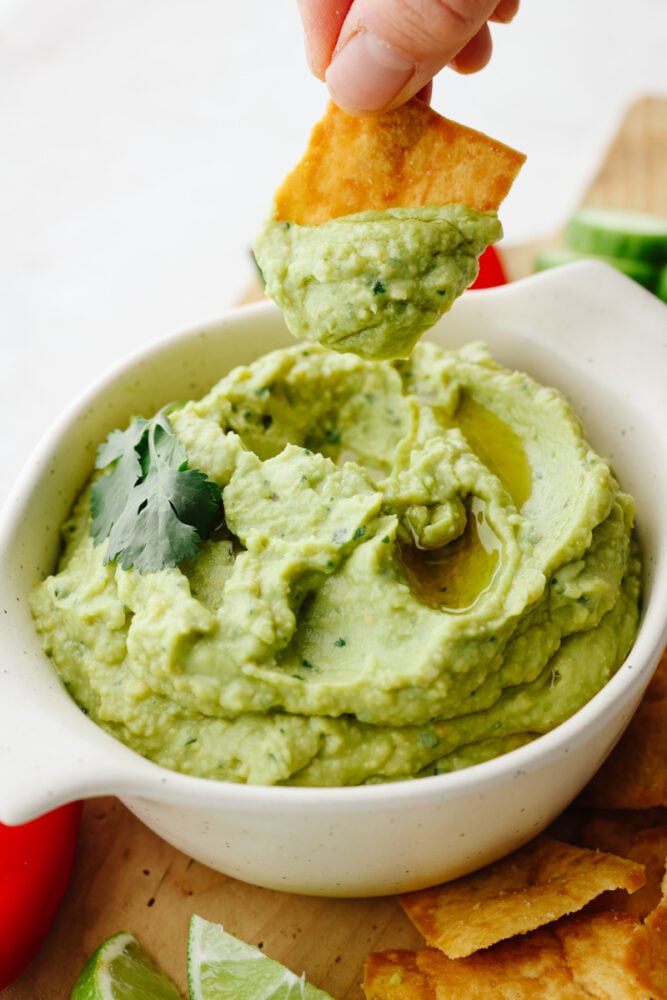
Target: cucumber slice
x=639 y=270
x=616 y=232
x=661 y=285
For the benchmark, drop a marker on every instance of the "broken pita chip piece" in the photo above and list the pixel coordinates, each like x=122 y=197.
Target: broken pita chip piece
x=404 y=158
x=646 y=956
x=634 y=776
x=602 y=956
x=541 y=882
x=616 y=955
x=640 y=836
x=513 y=971
x=596 y=948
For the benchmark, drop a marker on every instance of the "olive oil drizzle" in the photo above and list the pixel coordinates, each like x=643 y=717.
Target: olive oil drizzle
x=497 y=445
x=453 y=577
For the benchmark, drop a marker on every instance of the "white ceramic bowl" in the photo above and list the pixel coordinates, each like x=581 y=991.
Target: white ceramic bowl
x=583 y=328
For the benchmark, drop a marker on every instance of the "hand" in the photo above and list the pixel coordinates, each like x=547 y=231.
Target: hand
x=376 y=54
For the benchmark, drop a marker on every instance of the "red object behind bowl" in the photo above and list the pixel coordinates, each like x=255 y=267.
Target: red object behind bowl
x=491 y=271
x=35 y=865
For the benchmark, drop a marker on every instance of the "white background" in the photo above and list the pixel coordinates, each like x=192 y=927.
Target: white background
x=141 y=141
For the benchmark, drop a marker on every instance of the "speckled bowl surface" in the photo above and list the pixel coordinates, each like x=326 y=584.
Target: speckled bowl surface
x=583 y=328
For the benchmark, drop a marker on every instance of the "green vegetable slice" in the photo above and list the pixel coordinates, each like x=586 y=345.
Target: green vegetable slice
x=661 y=285
x=616 y=232
x=221 y=967
x=641 y=271
x=120 y=969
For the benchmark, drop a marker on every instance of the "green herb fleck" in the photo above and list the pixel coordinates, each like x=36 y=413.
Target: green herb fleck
x=379 y=287
x=340 y=642
x=154 y=510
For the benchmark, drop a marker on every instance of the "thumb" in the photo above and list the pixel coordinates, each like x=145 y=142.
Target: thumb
x=388 y=50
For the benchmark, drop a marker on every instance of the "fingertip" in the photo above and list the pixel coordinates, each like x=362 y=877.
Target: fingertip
x=322 y=21
x=475 y=55
x=505 y=11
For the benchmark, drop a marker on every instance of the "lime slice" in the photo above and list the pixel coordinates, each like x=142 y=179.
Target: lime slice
x=120 y=969
x=221 y=967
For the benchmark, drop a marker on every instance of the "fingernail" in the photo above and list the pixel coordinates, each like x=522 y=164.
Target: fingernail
x=367 y=73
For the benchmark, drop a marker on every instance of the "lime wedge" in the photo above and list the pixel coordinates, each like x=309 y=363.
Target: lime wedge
x=120 y=969
x=221 y=967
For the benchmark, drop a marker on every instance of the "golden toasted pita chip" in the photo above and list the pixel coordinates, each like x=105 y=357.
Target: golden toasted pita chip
x=534 y=886
x=598 y=948
x=522 y=969
x=603 y=956
x=646 y=959
x=396 y=975
x=634 y=776
x=630 y=835
x=399 y=159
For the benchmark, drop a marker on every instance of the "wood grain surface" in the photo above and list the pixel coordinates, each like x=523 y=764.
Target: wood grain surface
x=127 y=878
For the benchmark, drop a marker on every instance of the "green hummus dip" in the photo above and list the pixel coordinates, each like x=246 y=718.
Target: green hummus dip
x=422 y=565
x=374 y=282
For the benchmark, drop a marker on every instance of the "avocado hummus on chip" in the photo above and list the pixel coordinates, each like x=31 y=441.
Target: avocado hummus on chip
x=372 y=283
x=416 y=565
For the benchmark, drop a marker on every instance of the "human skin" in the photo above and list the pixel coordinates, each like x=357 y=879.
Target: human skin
x=376 y=54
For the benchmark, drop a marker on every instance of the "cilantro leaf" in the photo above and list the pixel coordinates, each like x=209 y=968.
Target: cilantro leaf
x=110 y=493
x=121 y=443
x=154 y=510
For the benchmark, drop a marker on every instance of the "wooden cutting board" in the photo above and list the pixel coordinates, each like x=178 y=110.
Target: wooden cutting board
x=126 y=878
